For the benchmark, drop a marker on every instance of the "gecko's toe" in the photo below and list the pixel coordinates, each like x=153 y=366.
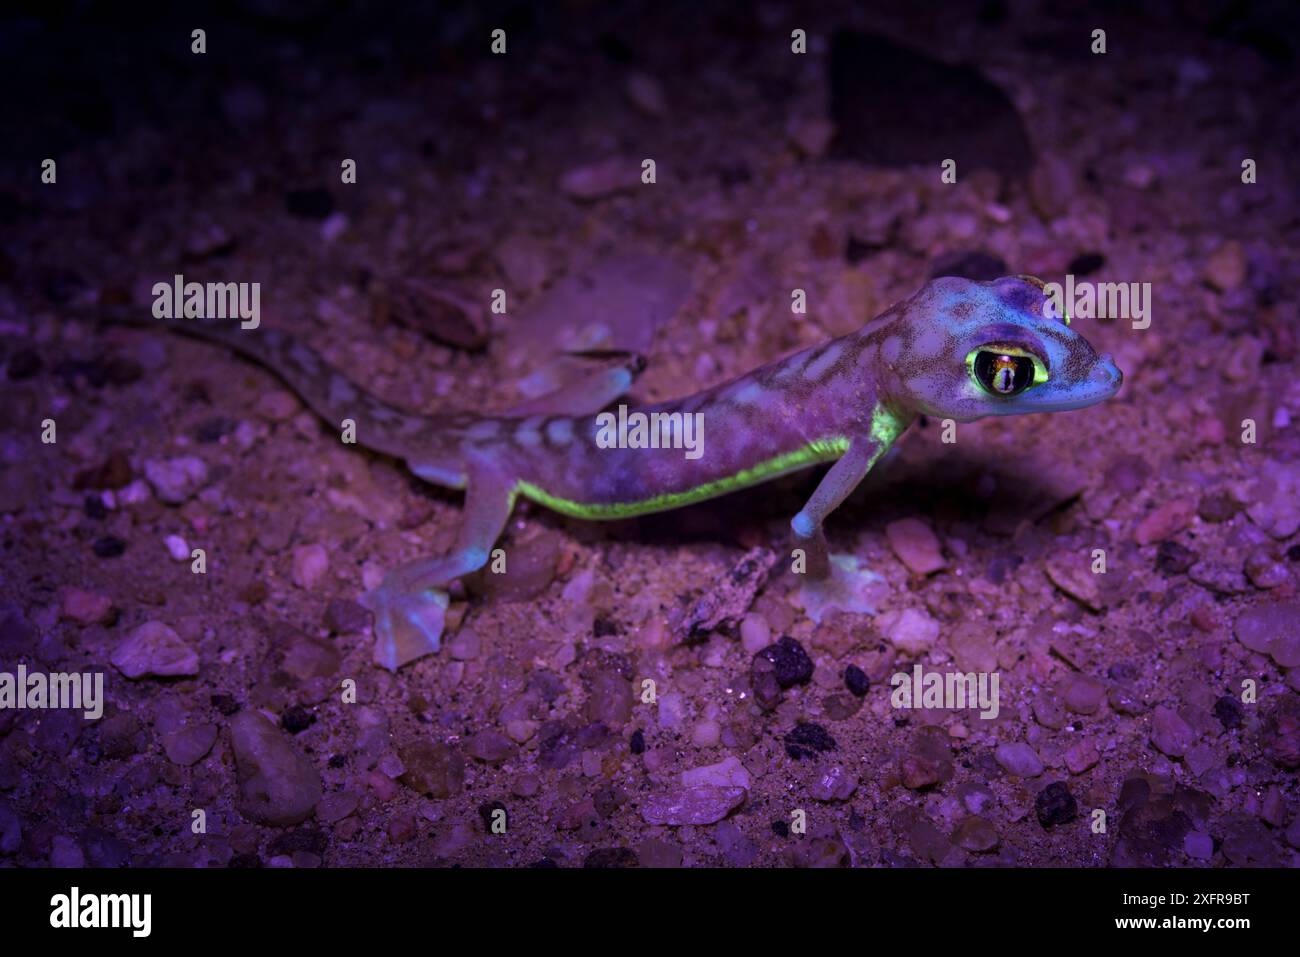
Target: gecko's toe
x=408 y=625
x=850 y=587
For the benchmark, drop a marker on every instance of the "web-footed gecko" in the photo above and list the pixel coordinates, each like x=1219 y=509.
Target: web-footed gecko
x=957 y=349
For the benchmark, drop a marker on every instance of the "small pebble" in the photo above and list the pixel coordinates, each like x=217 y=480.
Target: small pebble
x=154 y=649
x=1019 y=759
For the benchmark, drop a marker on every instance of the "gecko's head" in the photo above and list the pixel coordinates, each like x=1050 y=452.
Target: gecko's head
x=963 y=350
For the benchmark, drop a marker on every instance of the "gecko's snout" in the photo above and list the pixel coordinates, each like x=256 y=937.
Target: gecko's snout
x=1106 y=373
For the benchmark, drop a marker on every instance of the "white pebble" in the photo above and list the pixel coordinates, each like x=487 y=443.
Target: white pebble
x=177 y=547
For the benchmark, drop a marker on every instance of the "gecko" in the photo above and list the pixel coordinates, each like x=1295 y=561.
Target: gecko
x=956 y=349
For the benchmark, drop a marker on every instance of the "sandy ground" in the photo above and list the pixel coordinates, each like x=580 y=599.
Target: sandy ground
x=1148 y=715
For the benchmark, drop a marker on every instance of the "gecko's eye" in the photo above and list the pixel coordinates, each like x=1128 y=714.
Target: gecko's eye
x=1003 y=372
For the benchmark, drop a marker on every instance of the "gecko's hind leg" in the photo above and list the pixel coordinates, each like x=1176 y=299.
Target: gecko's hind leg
x=834 y=581
x=410 y=605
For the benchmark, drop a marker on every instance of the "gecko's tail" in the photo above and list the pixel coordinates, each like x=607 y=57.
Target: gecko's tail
x=329 y=393
x=432 y=446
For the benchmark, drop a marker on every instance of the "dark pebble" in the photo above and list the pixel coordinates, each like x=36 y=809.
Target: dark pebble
x=1085 y=264
x=110 y=546
x=309 y=203
x=225 y=703
x=807 y=740
x=297 y=719
x=780 y=828
x=1174 y=559
x=245 y=861
x=790 y=663
x=544 y=863
x=1228 y=710
x=338 y=760
x=94 y=507
x=1055 y=805
x=24 y=364
x=637 y=744
x=1217 y=507
x=1293 y=553
x=611 y=857
x=855 y=679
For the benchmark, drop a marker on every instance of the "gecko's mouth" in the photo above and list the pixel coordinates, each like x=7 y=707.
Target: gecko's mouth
x=1103 y=382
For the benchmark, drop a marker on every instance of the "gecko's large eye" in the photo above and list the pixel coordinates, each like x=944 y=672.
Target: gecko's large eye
x=1005 y=370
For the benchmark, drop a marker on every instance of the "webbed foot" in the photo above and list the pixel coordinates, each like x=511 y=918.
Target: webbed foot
x=850 y=587
x=408 y=623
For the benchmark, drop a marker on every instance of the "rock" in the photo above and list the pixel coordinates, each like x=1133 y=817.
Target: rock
x=1081 y=756
x=1083 y=694
x=310 y=657
x=855 y=679
x=154 y=649
x=189 y=745
x=609 y=698
x=433 y=768
x=699 y=805
x=1019 y=759
x=706 y=734
x=1225 y=267
x=278 y=786
x=1055 y=805
x=175 y=481
x=755 y=633
x=1164 y=520
x=1272 y=629
x=728 y=773
x=1198 y=845
x=807 y=740
x=490 y=747
x=832 y=782
x=87 y=608
x=310 y=565
x=1275 y=499
x=65 y=852
x=911 y=631
x=975 y=834
x=916 y=545
x=1220 y=577
x=599 y=179
x=644 y=92
x=177 y=548
x=786 y=660
x=1170 y=733
x=1265 y=571
x=1072 y=573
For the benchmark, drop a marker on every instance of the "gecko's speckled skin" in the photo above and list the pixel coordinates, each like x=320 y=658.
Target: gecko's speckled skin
x=845 y=400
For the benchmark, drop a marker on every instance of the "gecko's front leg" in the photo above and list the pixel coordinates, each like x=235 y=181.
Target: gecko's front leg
x=410 y=606
x=834 y=581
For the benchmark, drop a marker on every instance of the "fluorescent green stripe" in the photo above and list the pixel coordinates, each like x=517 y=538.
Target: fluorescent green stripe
x=823 y=450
